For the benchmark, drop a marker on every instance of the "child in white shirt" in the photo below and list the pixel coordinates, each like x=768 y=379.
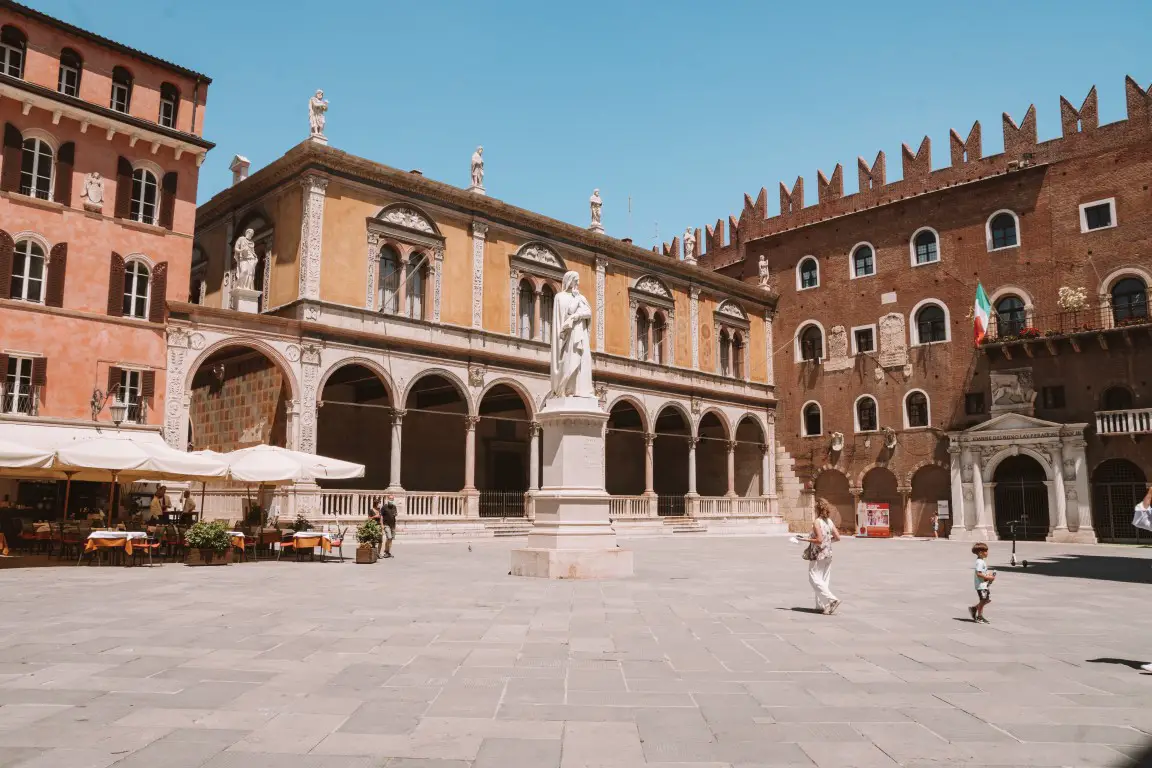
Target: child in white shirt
x=983 y=579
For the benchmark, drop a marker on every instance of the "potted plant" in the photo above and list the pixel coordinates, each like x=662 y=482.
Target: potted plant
x=209 y=543
x=301 y=524
x=370 y=535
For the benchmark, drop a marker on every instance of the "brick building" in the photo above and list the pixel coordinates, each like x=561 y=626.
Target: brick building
x=101 y=152
x=883 y=396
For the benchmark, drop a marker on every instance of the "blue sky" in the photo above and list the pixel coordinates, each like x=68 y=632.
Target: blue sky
x=681 y=106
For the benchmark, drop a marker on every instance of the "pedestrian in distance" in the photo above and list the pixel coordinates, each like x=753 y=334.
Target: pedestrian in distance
x=388 y=515
x=1143 y=519
x=819 y=557
x=935 y=525
x=983 y=579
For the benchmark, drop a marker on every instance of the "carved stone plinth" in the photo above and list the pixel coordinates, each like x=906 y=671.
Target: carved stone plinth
x=246 y=300
x=477 y=189
x=571 y=537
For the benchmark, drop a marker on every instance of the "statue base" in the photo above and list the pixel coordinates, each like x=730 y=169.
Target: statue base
x=599 y=228
x=246 y=300
x=477 y=189
x=319 y=138
x=571 y=537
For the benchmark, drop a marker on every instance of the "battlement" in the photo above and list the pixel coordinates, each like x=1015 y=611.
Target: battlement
x=1081 y=134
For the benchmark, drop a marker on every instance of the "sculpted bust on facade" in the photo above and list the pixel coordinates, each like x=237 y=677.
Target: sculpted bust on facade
x=571 y=344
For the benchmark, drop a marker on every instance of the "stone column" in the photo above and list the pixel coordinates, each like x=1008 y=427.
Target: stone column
x=981 y=529
x=470 y=423
x=692 y=441
x=1079 y=494
x=1058 y=527
x=857 y=507
x=538 y=328
x=311 y=235
x=906 y=503
x=394 y=483
x=310 y=357
x=956 y=506
x=437 y=278
x=649 y=441
x=534 y=458
x=769 y=372
x=770 y=466
x=514 y=301
x=373 y=271
x=731 y=494
x=402 y=284
x=226 y=283
x=479 y=232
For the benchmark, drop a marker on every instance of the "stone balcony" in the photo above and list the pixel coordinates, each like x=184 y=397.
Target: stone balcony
x=1130 y=421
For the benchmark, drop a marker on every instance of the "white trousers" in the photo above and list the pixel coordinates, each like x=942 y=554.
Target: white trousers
x=819 y=576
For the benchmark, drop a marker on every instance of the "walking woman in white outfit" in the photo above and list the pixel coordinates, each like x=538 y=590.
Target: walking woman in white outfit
x=820 y=566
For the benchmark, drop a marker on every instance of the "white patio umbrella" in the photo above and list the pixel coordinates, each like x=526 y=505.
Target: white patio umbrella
x=271 y=464
x=18 y=456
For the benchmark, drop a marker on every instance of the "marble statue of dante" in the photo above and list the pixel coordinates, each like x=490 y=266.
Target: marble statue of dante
x=478 y=167
x=596 y=204
x=689 y=245
x=571 y=344
x=244 y=253
x=764 y=272
x=317 y=106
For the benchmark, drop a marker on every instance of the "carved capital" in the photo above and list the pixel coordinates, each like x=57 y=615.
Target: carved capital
x=533 y=429
x=479 y=229
x=470 y=422
x=732 y=446
x=398 y=415
x=649 y=438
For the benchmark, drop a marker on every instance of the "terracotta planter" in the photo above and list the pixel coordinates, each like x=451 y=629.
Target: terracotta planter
x=366 y=554
x=208 y=557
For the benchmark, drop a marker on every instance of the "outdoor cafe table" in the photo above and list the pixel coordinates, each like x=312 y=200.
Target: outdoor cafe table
x=309 y=539
x=113 y=540
x=237 y=539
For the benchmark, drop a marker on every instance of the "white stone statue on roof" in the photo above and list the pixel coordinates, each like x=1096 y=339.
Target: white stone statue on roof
x=595 y=203
x=478 y=170
x=317 y=106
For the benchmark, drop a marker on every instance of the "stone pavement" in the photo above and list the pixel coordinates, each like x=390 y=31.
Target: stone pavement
x=707 y=658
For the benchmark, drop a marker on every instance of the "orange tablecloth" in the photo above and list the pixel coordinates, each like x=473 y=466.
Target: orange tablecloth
x=309 y=540
x=237 y=540
x=3 y=545
x=112 y=542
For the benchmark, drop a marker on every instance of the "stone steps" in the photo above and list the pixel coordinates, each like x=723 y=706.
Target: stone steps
x=508 y=527
x=684 y=525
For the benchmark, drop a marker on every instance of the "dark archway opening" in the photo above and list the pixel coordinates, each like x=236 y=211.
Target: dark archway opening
x=670 y=461
x=354 y=422
x=1117 y=486
x=1021 y=498
x=434 y=433
x=624 y=451
x=503 y=457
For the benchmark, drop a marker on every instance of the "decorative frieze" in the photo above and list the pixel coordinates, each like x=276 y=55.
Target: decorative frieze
x=601 y=271
x=694 y=324
x=311 y=235
x=479 y=233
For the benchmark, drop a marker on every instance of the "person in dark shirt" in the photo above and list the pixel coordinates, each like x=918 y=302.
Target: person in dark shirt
x=388 y=515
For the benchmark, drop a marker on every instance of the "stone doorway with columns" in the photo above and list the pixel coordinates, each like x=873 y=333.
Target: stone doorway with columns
x=1059 y=474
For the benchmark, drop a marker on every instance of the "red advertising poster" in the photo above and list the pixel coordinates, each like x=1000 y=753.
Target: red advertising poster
x=876 y=522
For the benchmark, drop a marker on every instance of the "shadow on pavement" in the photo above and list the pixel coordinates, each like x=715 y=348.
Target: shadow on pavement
x=803 y=610
x=1123 y=662
x=1133 y=570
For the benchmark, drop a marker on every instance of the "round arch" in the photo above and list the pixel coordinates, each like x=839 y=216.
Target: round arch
x=912 y=247
x=990 y=467
x=800 y=328
x=245 y=341
x=364 y=362
x=680 y=408
x=753 y=419
x=831 y=484
x=914 y=328
x=1021 y=495
x=852 y=260
x=448 y=376
x=988 y=230
x=673 y=428
x=879 y=486
x=632 y=400
x=750 y=435
x=800 y=273
x=1117 y=485
x=517 y=387
x=1117 y=275
x=930 y=482
x=927 y=410
x=721 y=417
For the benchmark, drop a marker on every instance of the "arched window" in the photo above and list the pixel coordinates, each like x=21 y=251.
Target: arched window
x=414 y=286
x=725 y=353
x=389 y=281
x=866 y=420
x=547 y=296
x=527 y=307
x=738 y=355
x=169 y=104
x=1002 y=231
x=1116 y=399
x=71 y=66
x=811 y=343
x=925 y=247
x=36 y=169
x=28 y=272
x=931 y=325
x=813 y=422
x=145 y=196
x=121 y=89
x=809 y=273
x=863 y=261
x=1129 y=300
x=1010 y=316
x=643 y=328
x=916 y=409
x=13 y=44
x=659 y=331
x=136 y=289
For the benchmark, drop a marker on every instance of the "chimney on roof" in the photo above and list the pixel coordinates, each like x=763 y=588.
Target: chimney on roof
x=626 y=240
x=416 y=172
x=239 y=168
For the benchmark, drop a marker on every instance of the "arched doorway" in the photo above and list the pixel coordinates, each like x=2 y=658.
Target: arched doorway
x=1021 y=498
x=624 y=450
x=832 y=486
x=880 y=487
x=670 y=461
x=1117 y=486
x=503 y=457
x=930 y=485
x=354 y=422
x=434 y=435
x=712 y=456
x=239 y=398
x=749 y=458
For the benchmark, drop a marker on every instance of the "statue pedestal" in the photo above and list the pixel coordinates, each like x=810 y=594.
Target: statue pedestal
x=571 y=537
x=477 y=189
x=246 y=300
x=597 y=227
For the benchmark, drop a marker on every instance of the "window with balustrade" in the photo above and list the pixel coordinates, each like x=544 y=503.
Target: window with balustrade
x=653 y=310
x=732 y=334
x=1129 y=300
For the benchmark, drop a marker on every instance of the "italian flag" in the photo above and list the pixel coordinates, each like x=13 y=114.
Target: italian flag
x=980 y=313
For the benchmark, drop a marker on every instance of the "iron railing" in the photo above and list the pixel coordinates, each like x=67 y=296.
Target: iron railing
x=1115 y=312
x=670 y=506
x=24 y=401
x=502 y=504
